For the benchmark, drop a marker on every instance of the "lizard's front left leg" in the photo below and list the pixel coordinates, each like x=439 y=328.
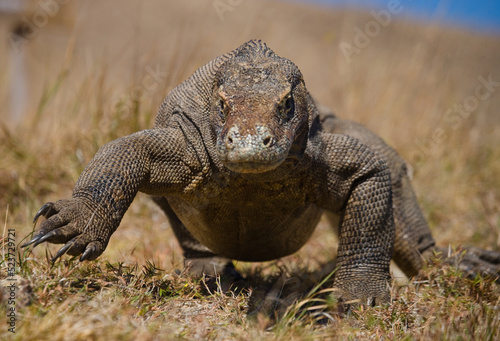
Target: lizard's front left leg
x=357 y=184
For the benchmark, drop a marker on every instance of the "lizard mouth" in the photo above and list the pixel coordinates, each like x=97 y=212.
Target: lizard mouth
x=252 y=166
x=250 y=155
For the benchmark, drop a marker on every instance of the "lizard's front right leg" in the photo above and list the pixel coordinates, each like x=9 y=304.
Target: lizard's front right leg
x=145 y=161
x=67 y=222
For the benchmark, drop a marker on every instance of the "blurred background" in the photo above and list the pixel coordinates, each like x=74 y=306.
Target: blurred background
x=424 y=75
x=477 y=15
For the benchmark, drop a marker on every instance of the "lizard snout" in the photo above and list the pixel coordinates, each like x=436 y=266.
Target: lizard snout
x=253 y=150
x=261 y=139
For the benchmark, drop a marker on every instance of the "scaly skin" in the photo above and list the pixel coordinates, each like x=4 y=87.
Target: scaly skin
x=244 y=164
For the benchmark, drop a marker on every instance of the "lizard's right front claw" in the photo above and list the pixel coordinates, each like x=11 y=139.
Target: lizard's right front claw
x=36 y=239
x=62 y=251
x=40 y=238
x=47 y=210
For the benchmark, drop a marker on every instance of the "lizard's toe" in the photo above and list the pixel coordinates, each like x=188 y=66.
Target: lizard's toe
x=92 y=251
x=211 y=266
x=53 y=222
x=35 y=240
x=491 y=257
x=58 y=236
x=47 y=210
x=480 y=262
x=74 y=247
x=55 y=228
x=472 y=261
x=368 y=293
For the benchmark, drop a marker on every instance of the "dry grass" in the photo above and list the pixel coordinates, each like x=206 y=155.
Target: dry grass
x=88 y=85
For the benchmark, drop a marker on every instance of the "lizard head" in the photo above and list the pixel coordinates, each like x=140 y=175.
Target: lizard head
x=259 y=111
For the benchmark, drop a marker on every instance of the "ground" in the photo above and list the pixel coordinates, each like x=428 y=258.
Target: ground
x=430 y=91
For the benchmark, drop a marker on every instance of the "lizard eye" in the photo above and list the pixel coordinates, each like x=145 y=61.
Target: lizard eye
x=223 y=108
x=287 y=105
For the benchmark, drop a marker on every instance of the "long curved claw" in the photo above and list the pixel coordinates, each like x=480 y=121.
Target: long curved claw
x=45 y=237
x=46 y=210
x=87 y=254
x=40 y=238
x=34 y=240
x=62 y=251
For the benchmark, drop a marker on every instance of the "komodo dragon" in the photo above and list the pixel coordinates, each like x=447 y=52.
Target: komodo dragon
x=244 y=164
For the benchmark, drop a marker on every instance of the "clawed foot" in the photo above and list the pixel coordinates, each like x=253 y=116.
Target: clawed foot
x=212 y=266
x=368 y=292
x=218 y=273
x=472 y=261
x=70 y=222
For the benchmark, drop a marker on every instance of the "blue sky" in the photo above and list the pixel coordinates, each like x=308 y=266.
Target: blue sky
x=483 y=15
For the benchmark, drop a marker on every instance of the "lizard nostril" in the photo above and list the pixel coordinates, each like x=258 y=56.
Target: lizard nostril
x=230 y=144
x=232 y=137
x=267 y=141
